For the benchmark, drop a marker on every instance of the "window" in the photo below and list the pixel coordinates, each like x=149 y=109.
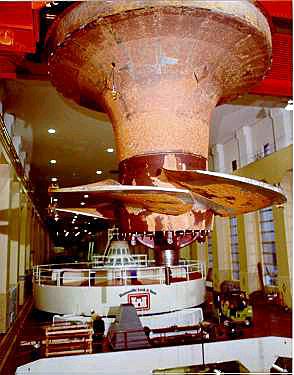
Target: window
x=209 y=247
x=268 y=246
x=235 y=248
x=234 y=165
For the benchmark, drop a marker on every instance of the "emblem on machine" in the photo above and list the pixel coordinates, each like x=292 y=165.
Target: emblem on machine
x=141 y=301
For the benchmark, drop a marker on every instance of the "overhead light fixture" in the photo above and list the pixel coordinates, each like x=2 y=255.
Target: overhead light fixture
x=83 y=203
x=66 y=234
x=76 y=227
x=90 y=233
x=85 y=230
x=55 y=199
x=52 y=161
x=290 y=105
x=98 y=171
x=53 y=179
x=110 y=149
x=77 y=234
x=86 y=196
x=51 y=131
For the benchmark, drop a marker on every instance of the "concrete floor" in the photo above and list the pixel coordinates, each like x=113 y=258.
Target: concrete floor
x=268 y=320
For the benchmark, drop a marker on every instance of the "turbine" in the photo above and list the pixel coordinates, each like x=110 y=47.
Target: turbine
x=158 y=68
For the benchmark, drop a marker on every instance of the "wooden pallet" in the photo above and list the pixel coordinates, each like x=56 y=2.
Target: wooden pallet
x=68 y=339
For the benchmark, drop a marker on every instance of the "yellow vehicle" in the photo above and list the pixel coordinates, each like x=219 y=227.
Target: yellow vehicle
x=235 y=307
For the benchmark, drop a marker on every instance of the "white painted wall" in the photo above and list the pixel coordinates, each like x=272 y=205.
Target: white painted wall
x=77 y=300
x=262 y=133
x=283 y=127
x=256 y=354
x=231 y=139
x=230 y=154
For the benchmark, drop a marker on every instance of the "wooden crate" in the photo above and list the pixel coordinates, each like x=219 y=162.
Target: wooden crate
x=68 y=339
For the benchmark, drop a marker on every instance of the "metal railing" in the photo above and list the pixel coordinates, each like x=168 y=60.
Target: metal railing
x=127 y=339
x=85 y=274
x=139 y=260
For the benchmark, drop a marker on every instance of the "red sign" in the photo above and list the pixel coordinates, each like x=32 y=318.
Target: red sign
x=141 y=301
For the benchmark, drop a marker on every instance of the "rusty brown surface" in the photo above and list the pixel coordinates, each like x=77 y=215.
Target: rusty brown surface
x=167 y=244
x=81 y=14
x=165 y=200
x=167 y=208
x=227 y=195
x=149 y=202
x=183 y=238
x=141 y=169
x=173 y=64
x=105 y=212
x=159 y=68
x=142 y=220
x=145 y=170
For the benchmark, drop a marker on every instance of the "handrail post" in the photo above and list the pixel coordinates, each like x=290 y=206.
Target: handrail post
x=39 y=275
x=125 y=339
x=167 y=274
x=58 y=279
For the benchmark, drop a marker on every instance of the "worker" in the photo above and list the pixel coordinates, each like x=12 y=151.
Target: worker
x=233 y=310
x=147 y=331
x=36 y=352
x=225 y=308
x=243 y=302
x=98 y=325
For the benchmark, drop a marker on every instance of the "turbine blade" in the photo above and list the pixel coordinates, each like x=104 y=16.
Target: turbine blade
x=227 y=195
x=92 y=212
x=164 y=200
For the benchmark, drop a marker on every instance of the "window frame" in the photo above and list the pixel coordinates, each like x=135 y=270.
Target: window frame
x=270 y=269
x=234 y=246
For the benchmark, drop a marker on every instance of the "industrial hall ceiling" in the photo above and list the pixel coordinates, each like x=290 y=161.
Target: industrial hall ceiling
x=75 y=145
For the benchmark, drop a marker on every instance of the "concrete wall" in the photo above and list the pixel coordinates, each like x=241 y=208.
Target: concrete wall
x=24 y=241
x=256 y=354
x=255 y=128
